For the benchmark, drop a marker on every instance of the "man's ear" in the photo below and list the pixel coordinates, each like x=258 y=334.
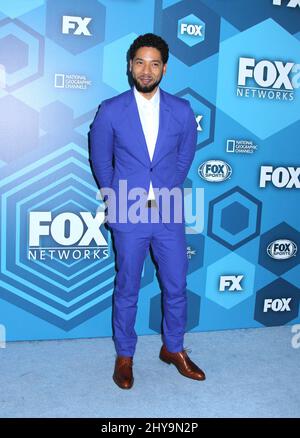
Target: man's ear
x=130 y=65
x=165 y=68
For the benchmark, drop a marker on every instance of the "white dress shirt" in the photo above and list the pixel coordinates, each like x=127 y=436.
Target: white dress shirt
x=149 y=116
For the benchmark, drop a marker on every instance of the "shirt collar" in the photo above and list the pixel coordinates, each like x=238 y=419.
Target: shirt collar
x=141 y=100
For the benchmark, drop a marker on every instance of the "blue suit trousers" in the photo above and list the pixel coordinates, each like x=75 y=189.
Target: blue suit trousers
x=170 y=253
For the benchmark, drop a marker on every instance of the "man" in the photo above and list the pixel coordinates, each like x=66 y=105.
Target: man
x=145 y=138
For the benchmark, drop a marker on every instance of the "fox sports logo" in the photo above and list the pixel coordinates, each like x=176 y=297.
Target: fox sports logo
x=282 y=249
x=215 y=171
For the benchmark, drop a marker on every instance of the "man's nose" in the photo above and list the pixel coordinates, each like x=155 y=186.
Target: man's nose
x=147 y=68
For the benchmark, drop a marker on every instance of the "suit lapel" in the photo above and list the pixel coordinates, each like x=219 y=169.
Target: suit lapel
x=136 y=130
x=164 y=118
x=137 y=133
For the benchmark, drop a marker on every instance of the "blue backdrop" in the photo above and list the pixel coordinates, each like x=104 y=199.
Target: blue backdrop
x=238 y=63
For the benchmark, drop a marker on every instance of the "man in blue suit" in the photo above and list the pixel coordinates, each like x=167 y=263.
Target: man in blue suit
x=142 y=145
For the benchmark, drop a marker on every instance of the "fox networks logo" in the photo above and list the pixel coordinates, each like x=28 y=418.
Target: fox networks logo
x=267 y=79
x=76 y=25
x=73 y=81
x=280 y=177
x=191 y=30
x=241 y=146
x=277 y=305
x=232 y=283
x=69 y=236
x=214 y=171
x=288 y=3
x=282 y=249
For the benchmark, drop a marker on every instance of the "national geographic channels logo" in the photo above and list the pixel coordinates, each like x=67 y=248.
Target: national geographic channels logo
x=267 y=79
x=67 y=236
x=71 y=81
x=241 y=146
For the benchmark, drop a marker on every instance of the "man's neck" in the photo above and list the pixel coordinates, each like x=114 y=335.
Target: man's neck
x=149 y=95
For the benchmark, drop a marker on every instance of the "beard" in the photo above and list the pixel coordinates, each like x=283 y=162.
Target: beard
x=146 y=88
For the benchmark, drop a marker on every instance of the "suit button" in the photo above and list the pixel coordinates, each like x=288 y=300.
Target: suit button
x=150 y=169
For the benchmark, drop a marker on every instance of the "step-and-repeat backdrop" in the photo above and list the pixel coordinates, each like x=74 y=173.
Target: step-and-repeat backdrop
x=238 y=63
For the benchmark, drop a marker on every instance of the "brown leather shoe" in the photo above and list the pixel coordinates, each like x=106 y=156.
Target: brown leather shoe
x=183 y=363
x=123 y=375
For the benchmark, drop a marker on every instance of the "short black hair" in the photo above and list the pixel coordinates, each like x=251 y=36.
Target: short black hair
x=150 y=40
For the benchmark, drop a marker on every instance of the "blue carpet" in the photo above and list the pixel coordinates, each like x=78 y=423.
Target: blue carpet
x=250 y=373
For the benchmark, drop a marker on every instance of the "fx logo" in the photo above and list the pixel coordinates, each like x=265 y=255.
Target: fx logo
x=79 y=24
x=191 y=29
x=265 y=73
x=277 y=305
x=280 y=177
x=231 y=283
x=291 y=3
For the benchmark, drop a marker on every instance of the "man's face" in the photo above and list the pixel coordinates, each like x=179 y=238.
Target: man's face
x=147 y=69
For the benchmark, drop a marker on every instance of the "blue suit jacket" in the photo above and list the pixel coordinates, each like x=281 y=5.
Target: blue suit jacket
x=118 y=149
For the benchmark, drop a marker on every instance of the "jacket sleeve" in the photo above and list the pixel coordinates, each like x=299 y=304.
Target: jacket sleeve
x=187 y=148
x=101 y=138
